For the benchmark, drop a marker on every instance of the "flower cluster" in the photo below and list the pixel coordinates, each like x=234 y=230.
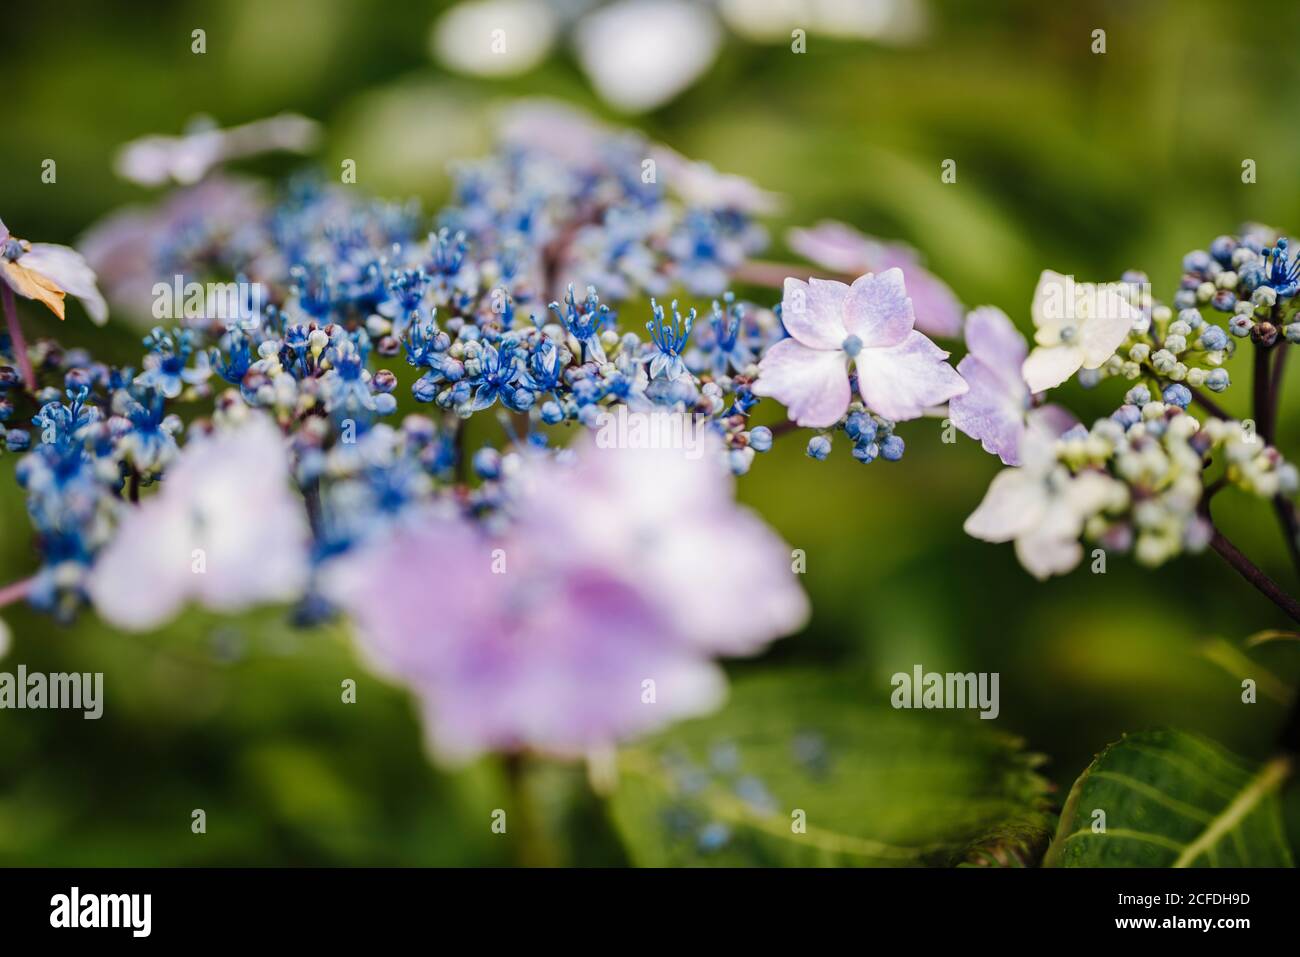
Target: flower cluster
x=1134 y=482
x=1138 y=480
x=586 y=549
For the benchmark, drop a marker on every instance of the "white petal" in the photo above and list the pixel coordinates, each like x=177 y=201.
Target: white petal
x=1102 y=332
x=70 y=270
x=1050 y=546
x=1051 y=308
x=494 y=37
x=1013 y=503
x=641 y=53
x=1049 y=366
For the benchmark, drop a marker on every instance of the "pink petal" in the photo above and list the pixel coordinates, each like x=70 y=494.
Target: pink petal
x=878 y=311
x=813 y=312
x=901 y=381
x=812 y=384
x=994 y=340
x=990 y=412
x=834 y=246
x=938 y=310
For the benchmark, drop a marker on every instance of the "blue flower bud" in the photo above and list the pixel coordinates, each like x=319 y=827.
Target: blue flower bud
x=552 y=414
x=1128 y=415
x=1139 y=395
x=739 y=460
x=819 y=446
x=892 y=448
x=487 y=463
x=1222 y=249
x=1252 y=275
x=424 y=389
x=1177 y=394
x=1213 y=338
x=760 y=438
x=866 y=452
x=861 y=427
x=17 y=440
x=385 y=404
x=1217 y=380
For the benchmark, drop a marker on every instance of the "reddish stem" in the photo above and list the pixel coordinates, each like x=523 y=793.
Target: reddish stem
x=1249 y=571
x=15 y=591
x=759 y=272
x=16 y=336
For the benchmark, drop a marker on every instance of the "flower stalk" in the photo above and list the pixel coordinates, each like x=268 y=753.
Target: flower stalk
x=16 y=337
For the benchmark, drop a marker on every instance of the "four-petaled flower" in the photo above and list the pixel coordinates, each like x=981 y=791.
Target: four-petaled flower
x=1077 y=326
x=900 y=372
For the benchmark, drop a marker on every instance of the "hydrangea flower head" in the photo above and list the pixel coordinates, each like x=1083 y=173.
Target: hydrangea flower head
x=869 y=325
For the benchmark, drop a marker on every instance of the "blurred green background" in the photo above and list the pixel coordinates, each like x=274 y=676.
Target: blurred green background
x=1084 y=163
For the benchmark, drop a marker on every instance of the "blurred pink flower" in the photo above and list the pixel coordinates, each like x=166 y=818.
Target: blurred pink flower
x=186 y=159
x=128 y=247
x=667 y=518
x=508 y=650
x=593 y=618
x=841 y=248
x=226 y=530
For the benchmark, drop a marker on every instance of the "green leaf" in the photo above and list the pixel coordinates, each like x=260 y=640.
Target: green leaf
x=877 y=787
x=1173 y=799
